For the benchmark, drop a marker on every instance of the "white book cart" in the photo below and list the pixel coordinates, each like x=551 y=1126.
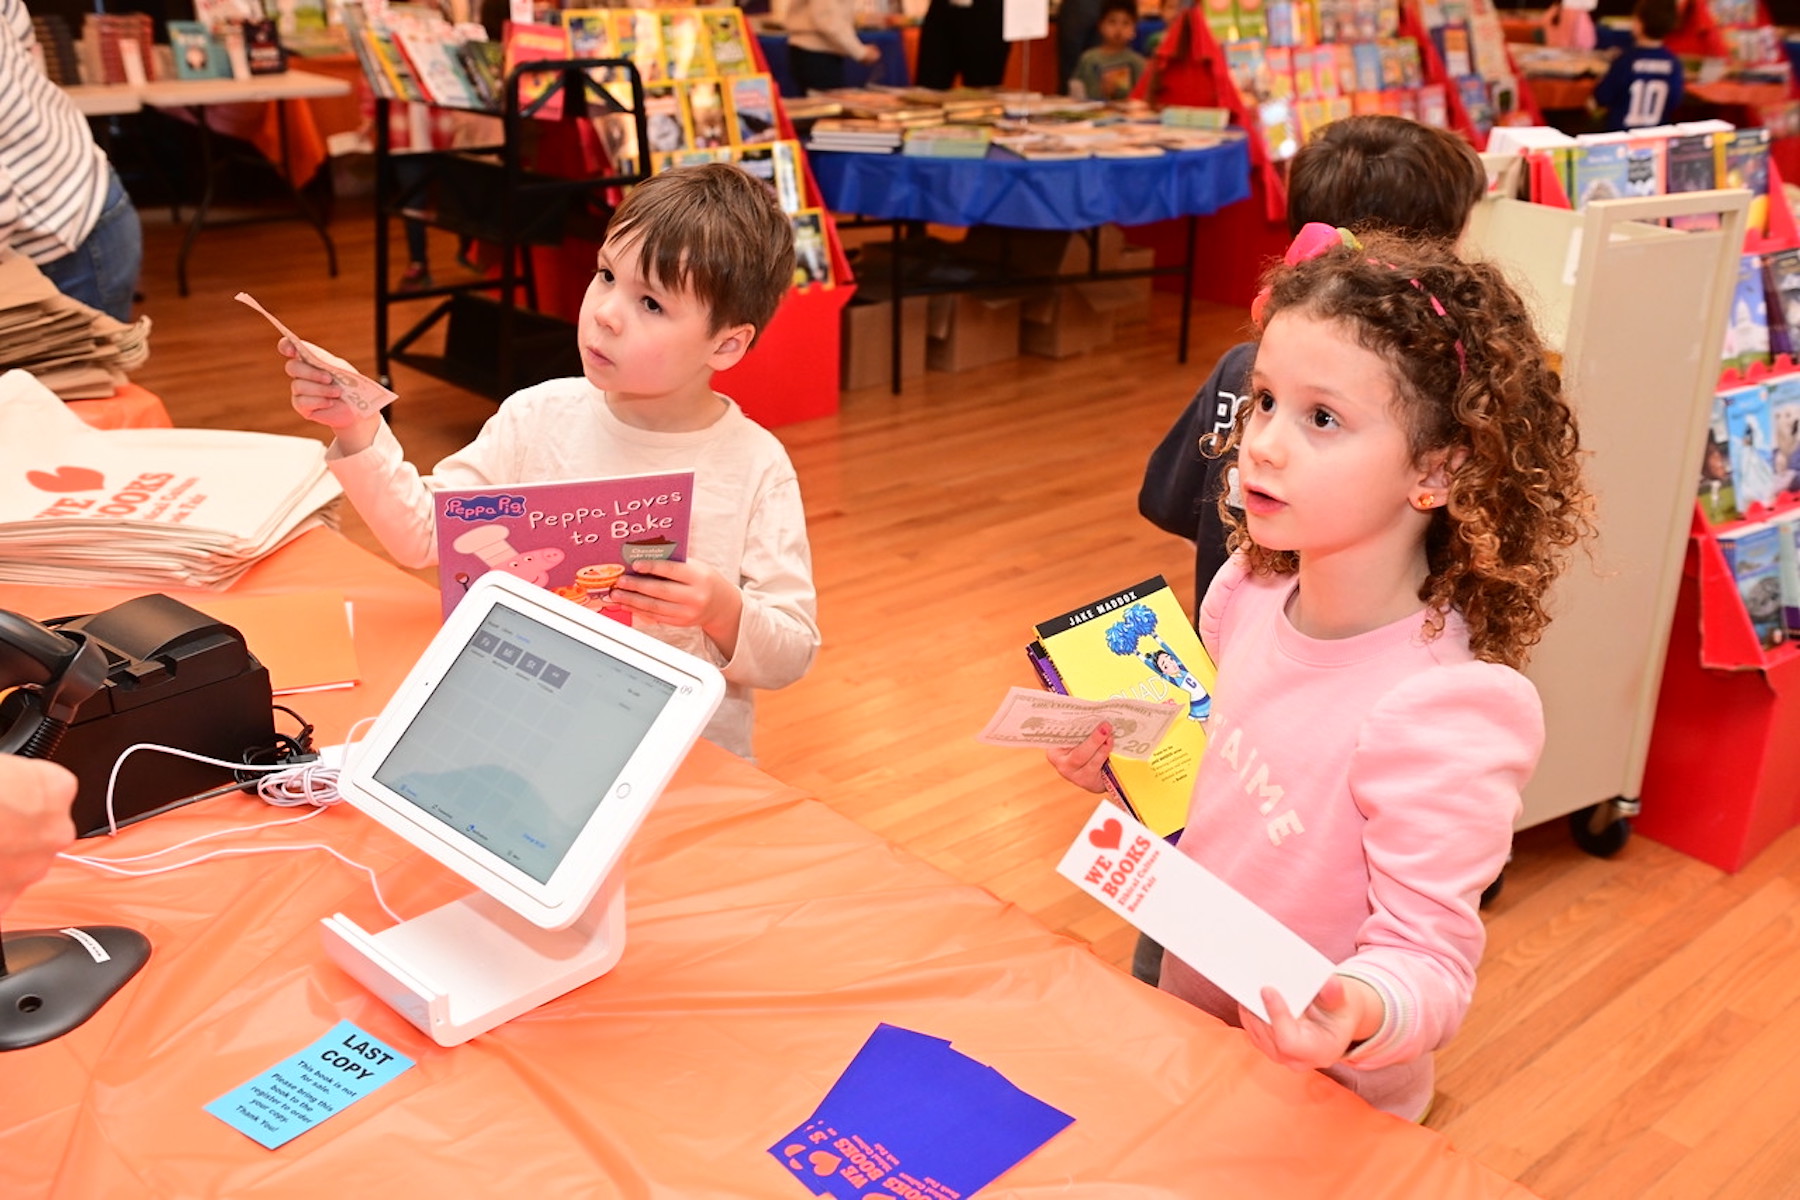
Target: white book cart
x=1637 y=311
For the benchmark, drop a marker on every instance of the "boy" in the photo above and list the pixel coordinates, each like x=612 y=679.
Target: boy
x=1369 y=171
x=1643 y=85
x=1110 y=70
x=694 y=264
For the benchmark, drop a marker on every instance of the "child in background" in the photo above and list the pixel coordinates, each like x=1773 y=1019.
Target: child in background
x=1411 y=487
x=694 y=264
x=1569 y=25
x=1643 y=86
x=1110 y=70
x=1362 y=172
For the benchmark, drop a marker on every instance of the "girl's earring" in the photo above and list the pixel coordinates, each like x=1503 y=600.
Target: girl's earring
x=1427 y=502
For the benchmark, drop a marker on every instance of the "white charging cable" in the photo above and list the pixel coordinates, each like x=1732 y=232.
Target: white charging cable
x=285 y=785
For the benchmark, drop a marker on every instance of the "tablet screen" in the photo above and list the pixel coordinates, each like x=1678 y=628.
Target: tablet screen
x=522 y=739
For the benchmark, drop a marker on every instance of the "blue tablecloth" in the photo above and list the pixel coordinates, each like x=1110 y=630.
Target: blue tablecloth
x=1022 y=194
x=891 y=70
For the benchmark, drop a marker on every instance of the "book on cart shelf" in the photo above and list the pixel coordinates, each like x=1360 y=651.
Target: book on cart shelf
x=1138 y=643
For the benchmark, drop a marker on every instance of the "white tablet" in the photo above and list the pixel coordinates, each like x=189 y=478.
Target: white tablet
x=527 y=744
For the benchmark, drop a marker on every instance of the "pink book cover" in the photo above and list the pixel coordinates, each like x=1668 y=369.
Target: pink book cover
x=575 y=538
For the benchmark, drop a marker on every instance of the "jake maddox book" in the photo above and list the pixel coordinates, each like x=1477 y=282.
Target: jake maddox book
x=577 y=538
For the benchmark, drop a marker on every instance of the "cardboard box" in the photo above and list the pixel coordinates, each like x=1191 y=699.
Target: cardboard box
x=1127 y=300
x=867 y=330
x=1064 y=321
x=1043 y=251
x=972 y=329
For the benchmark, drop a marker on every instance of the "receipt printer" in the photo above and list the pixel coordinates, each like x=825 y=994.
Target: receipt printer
x=174 y=677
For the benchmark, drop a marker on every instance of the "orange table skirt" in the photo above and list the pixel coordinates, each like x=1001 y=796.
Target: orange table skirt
x=130 y=407
x=259 y=123
x=767 y=938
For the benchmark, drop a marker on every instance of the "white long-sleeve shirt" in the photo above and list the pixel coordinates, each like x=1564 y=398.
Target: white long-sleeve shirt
x=746 y=523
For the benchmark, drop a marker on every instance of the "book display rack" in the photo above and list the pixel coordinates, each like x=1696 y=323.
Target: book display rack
x=1717 y=778
x=1283 y=69
x=1728 y=746
x=586 y=108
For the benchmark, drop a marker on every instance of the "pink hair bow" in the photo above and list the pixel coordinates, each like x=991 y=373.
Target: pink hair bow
x=1314 y=239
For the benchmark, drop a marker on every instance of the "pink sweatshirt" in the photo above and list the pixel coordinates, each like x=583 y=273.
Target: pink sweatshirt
x=1362 y=790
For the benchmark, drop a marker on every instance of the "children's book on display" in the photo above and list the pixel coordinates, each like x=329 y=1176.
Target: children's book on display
x=1136 y=643
x=1747 y=323
x=812 y=252
x=577 y=538
x=1718 y=488
x=1755 y=554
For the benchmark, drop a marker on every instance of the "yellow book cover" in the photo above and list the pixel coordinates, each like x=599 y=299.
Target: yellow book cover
x=666 y=120
x=729 y=40
x=637 y=32
x=1138 y=643
x=751 y=99
x=709 y=125
x=685 y=47
x=812 y=253
x=591 y=35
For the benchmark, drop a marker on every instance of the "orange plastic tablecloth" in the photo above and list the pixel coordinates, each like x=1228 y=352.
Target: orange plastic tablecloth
x=767 y=938
x=130 y=407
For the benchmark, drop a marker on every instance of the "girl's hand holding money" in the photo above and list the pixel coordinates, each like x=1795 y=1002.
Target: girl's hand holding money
x=1081 y=764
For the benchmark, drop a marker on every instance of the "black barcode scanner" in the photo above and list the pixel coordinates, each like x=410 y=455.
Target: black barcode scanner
x=51 y=980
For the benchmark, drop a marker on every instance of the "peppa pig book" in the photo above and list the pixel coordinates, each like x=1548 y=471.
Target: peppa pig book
x=576 y=538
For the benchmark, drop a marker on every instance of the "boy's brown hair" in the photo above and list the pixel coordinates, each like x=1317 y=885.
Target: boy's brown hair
x=1376 y=171
x=1656 y=18
x=716 y=232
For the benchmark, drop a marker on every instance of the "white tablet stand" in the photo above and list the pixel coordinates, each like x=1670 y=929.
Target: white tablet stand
x=522 y=751
x=460 y=970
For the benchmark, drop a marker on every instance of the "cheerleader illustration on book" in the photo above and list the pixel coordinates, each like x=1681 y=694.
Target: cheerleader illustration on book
x=1125 y=637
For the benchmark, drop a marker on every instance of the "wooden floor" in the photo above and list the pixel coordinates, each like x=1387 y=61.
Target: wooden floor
x=1637 y=1028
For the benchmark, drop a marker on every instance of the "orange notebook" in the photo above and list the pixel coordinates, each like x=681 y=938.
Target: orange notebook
x=303 y=638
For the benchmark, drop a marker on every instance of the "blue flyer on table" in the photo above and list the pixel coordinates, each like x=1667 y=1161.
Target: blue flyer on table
x=910 y=1116
x=299 y=1092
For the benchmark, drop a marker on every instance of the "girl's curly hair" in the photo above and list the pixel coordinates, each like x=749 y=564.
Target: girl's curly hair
x=1473 y=380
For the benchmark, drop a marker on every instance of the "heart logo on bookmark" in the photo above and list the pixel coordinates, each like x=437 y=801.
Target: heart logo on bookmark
x=1108 y=835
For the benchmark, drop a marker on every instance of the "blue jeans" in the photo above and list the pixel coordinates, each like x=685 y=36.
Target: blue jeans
x=102 y=272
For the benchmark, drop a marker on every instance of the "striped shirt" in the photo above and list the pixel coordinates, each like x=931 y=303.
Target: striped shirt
x=53 y=178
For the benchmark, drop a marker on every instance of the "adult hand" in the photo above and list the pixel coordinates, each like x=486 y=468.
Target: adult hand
x=35 y=796
x=1081 y=764
x=870 y=54
x=683 y=593
x=1343 y=1013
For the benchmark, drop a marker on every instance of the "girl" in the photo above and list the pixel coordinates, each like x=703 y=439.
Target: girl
x=1410 y=487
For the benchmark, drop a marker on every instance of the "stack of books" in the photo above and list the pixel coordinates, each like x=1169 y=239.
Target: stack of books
x=145 y=508
x=861 y=135
x=948 y=141
x=76 y=351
